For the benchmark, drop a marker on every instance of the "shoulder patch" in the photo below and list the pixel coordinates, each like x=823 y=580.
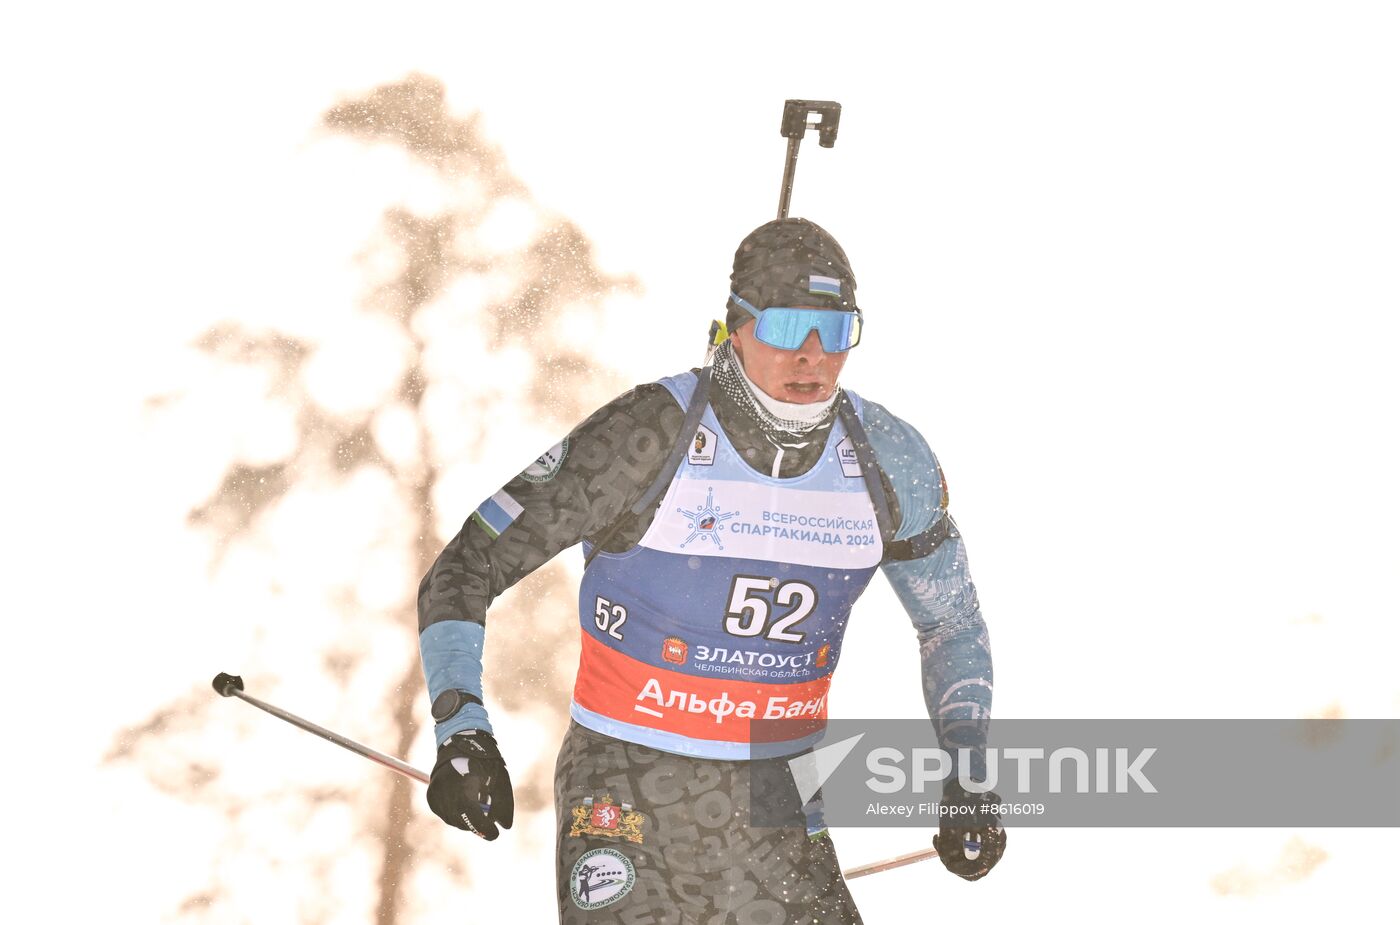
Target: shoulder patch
x=548 y=464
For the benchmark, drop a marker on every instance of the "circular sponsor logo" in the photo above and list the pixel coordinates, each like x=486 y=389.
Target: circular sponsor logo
x=600 y=878
x=547 y=466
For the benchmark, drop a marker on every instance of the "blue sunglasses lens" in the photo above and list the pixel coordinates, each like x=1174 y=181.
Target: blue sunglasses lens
x=787 y=328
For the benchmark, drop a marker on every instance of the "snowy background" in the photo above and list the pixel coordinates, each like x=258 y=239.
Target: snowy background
x=1131 y=269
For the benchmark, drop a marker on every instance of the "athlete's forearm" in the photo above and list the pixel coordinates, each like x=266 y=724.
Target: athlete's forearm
x=955 y=653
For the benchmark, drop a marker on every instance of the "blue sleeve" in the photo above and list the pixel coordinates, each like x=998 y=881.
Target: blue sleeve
x=451 y=652
x=937 y=592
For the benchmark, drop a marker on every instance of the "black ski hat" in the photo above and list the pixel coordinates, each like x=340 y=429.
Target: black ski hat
x=787 y=262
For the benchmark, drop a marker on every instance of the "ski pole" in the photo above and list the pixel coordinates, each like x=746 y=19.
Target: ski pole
x=231 y=685
x=795 y=126
x=875 y=867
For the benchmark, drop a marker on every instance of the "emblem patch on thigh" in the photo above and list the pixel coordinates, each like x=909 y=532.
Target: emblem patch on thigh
x=600 y=878
x=604 y=817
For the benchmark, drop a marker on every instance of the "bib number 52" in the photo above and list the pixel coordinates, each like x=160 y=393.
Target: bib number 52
x=750 y=610
x=609 y=617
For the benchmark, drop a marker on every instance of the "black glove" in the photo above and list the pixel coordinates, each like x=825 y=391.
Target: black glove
x=470 y=786
x=970 y=838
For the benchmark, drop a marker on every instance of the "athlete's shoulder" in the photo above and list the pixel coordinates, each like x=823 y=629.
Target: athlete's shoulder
x=681 y=386
x=628 y=438
x=658 y=393
x=910 y=464
x=645 y=401
x=896 y=441
x=644 y=414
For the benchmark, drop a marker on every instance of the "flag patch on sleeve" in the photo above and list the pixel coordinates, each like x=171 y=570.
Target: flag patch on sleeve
x=496 y=513
x=824 y=285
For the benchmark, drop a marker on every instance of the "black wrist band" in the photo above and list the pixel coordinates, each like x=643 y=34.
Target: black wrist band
x=450 y=701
